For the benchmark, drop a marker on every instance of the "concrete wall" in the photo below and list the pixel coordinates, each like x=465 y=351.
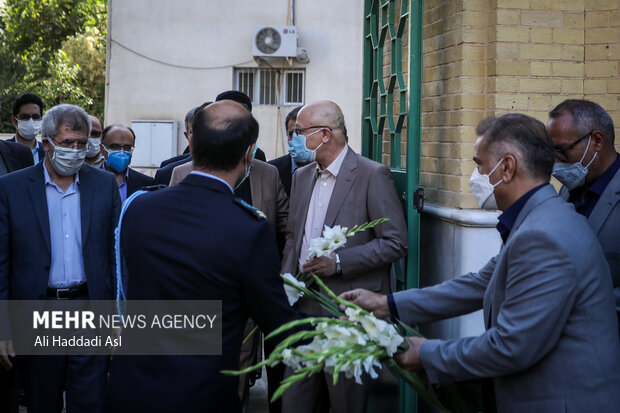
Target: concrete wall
x=153 y=43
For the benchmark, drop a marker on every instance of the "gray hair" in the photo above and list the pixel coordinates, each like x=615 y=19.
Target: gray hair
x=587 y=116
x=72 y=116
x=515 y=132
x=189 y=117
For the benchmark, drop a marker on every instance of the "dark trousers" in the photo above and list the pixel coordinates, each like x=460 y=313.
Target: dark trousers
x=274 y=376
x=9 y=389
x=82 y=377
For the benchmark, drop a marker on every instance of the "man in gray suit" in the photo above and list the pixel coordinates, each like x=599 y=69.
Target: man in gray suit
x=551 y=341
x=588 y=167
x=340 y=188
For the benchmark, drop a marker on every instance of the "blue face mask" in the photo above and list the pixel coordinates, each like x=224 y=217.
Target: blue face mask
x=573 y=175
x=299 y=151
x=118 y=160
x=247 y=173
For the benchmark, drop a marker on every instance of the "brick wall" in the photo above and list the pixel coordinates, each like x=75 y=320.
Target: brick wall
x=486 y=57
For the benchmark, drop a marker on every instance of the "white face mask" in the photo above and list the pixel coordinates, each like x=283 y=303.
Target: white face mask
x=573 y=175
x=66 y=161
x=28 y=129
x=92 y=149
x=482 y=188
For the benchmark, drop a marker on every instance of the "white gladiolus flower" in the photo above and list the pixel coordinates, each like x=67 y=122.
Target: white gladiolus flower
x=354 y=315
x=369 y=364
x=290 y=359
x=373 y=326
x=390 y=340
x=292 y=293
x=319 y=247
x=336 y=236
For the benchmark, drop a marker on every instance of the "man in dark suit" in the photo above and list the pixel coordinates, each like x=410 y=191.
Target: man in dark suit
x=207 y=246
x=57 y=224
x=286 y=164
x=583 y=137
x=164 y=174
x=551 y=341
x=189 y=118
x=13 y=157
x=117 y=143
x=340 y=188
x=26 y=118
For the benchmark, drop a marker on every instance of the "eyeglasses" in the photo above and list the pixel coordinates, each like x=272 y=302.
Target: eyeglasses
x=117 y=147
x=73 y=144
x=27 y=116
x=560 y=153
x=300 y=131
x=95 y=134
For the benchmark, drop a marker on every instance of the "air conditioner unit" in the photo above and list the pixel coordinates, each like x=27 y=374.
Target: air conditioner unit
x=274 y=41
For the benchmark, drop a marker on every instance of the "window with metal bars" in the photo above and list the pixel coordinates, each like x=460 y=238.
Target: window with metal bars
x=271 y=86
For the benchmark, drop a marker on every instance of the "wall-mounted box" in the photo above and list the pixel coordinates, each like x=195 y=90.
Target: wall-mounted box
x=156 y=140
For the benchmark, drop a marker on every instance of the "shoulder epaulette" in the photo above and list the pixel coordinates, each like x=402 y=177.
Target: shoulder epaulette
x=253 y=210
x=152 y=188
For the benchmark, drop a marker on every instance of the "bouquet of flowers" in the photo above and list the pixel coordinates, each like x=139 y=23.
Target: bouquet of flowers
x=332 y=239
x=353 y=342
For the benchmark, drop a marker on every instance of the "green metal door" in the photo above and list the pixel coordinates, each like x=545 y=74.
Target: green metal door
x=391 y=114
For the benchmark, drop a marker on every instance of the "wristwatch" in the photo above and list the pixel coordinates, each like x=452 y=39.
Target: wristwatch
x=338 y=266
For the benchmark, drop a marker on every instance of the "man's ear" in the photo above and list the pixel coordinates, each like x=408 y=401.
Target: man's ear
x=598 y=140
x=509 y=168
x=46 y=144
x=249 y=157
x=14 y=121
x=327 y=133
x=190 y=141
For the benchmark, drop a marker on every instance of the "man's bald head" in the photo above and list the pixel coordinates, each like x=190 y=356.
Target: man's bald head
x=221 y=135
x=325 y=113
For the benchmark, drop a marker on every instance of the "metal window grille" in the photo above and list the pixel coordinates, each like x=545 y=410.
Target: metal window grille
x=294 y=88
x=263 y=86
x=244 y=82
x=269 y=83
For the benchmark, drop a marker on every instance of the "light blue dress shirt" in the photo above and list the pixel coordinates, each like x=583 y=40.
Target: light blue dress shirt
x=35 y=154
x=213 y=177
x=63 y=208
x=122 y=188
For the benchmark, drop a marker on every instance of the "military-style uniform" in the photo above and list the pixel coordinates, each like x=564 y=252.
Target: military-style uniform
x=195 y=241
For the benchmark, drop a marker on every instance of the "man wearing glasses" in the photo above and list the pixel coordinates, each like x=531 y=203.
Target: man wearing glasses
x=588 y=165
x=338 y=187
x=26 y=118
x=117 y=143
x=57 y=223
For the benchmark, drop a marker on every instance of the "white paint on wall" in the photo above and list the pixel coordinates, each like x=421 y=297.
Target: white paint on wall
x=154 y=44
x=454 y=242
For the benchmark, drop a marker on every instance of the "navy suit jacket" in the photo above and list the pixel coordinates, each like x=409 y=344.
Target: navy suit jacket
x=206 y=246
x=25 y=250
x=164 y=173
x=40 y=148
x=15 y=156
x=284 y=165
x=137 y=180
x=174 y=158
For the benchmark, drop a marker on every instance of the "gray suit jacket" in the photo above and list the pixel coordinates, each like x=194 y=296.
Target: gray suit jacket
x=268 y=194
x=364 y=191
x=605 y=221
x=551 y=342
